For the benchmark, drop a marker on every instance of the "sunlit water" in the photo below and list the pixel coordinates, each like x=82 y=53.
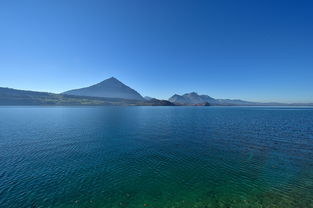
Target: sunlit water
x=158 y=157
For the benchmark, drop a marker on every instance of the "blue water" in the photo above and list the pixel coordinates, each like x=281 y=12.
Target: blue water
x=160 y=157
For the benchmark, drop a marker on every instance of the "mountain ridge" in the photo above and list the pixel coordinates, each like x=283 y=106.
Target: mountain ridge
x=114 y=92
x=193 y=98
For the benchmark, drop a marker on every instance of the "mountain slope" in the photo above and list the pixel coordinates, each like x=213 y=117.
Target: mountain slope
x=109 y=88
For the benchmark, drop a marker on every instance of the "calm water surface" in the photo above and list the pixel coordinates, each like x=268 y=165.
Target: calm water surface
x=158 y=157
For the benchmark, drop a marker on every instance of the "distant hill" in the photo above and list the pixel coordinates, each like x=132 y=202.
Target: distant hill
x=191 y=99
x=10 y=96
x=109 y=88
x=195 y=99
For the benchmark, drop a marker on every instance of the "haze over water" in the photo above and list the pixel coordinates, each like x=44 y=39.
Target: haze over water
x=156 y=157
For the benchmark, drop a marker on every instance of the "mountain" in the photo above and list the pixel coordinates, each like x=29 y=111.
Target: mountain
x=113 y=92
x=10 y=96
x=109 y=88
x=205 y=100
x=192 y=99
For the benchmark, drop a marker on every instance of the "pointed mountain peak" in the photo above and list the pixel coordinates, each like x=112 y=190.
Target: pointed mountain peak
x=112 y=79
x=109 y=88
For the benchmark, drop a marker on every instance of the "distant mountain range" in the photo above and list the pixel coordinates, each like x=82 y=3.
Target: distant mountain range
x=113 y=92
x=191 y=99
x=195 y=99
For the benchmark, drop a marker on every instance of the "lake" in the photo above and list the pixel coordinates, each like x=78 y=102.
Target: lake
x=158 y=157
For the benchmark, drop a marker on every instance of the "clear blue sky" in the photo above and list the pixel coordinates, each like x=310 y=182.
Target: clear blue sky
x=259 y=50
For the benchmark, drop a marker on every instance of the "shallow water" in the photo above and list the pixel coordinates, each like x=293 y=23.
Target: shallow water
x=159 y=157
